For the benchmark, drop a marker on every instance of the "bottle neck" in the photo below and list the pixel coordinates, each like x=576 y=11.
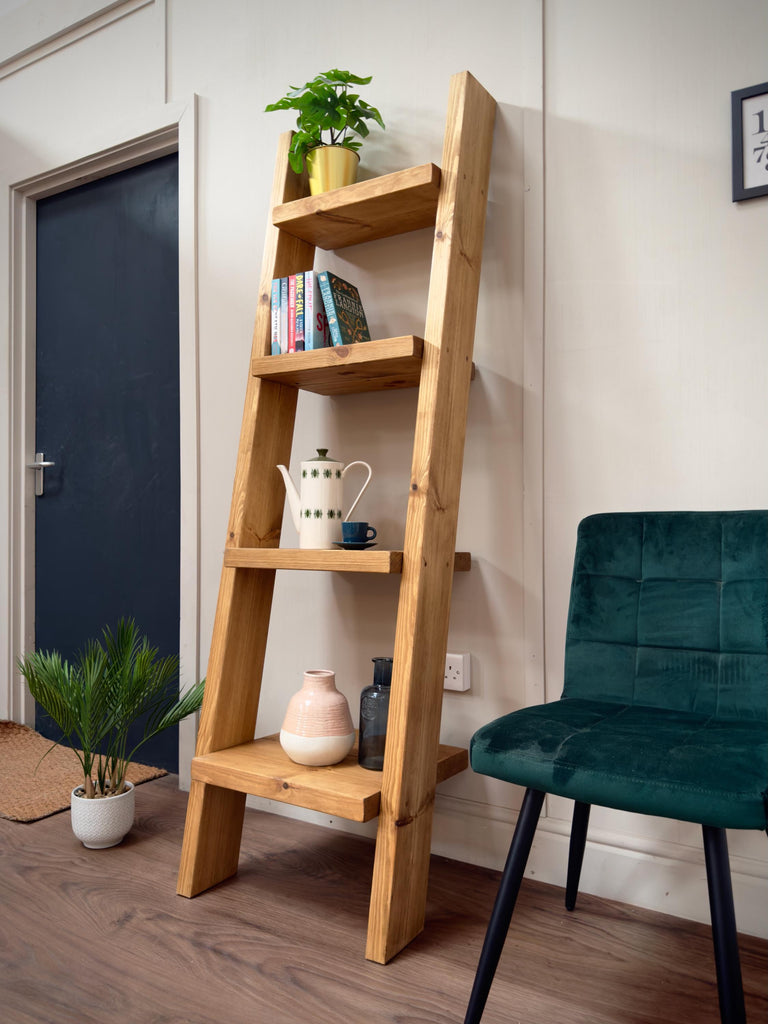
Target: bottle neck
x=382 y=671
x=320 y=679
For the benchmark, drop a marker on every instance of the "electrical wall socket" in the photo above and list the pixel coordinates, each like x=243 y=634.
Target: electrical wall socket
x=456 y=671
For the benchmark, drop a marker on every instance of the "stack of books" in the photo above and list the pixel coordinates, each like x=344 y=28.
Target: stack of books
x=315 y=310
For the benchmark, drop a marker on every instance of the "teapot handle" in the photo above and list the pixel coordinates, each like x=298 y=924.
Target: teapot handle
x=362 y=489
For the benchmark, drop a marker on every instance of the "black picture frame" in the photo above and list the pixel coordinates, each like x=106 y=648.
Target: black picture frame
x=745 y=106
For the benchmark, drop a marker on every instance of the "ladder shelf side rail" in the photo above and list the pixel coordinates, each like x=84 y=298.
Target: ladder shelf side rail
x=213 y=827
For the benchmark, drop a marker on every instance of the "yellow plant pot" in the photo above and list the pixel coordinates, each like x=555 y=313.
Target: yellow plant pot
x=331 y=167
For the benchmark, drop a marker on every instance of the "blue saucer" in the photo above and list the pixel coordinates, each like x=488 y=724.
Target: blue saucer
x=351 y=545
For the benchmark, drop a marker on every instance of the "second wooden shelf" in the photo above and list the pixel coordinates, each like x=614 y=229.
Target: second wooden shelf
x=379 y=365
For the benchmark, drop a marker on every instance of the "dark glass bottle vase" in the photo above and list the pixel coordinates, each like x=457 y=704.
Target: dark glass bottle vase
x=374 y=711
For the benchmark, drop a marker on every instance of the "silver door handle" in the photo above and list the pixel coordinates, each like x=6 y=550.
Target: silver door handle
x=39 y=466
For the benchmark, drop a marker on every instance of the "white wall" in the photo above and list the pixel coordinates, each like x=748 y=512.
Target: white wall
x=656 y=311
x=643 y=391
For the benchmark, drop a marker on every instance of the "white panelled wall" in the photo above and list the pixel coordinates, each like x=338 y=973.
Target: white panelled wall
x=621 y=345
x=656 y=363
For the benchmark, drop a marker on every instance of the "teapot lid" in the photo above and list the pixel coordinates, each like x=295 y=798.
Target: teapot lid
x=322 y=456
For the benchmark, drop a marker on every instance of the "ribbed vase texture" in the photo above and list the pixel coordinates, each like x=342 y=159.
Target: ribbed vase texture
x=318 y=728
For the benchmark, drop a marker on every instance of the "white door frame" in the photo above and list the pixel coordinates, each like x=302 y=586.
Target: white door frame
x=170 y=129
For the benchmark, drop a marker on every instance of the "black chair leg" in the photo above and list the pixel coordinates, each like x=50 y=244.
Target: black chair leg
x=505 y=903
x=576 y=852
x=729 y=987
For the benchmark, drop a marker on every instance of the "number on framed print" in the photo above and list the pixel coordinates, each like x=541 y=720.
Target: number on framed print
x=749 y=109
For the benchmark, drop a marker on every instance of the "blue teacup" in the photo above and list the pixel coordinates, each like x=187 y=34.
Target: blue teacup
x=357 y=533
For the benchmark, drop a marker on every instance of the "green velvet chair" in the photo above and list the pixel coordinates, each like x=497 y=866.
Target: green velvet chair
x=664 y=709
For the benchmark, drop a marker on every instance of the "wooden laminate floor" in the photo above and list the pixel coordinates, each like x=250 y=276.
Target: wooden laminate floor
x=100 y=937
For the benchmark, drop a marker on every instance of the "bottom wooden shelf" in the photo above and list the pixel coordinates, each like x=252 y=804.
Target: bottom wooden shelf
x=346 y=790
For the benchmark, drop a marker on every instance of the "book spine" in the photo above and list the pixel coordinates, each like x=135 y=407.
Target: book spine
x=292 y=313
x=283 y=314
x=330 y=308
x=309 y=308
x=276 y=317
x=300 y=312
x=315 y=322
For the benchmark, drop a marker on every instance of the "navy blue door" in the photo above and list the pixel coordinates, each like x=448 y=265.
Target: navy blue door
x=107 y=524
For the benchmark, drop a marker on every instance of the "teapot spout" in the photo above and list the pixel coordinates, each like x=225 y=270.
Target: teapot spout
x=293 y=498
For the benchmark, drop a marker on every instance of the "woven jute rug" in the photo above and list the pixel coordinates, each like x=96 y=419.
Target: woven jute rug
x=33 y=786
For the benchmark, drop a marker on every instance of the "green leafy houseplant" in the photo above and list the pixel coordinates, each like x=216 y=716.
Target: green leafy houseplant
x=328 y=114
x=96 y=699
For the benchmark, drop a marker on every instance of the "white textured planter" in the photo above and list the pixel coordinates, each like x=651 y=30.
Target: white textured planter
x=101 y=823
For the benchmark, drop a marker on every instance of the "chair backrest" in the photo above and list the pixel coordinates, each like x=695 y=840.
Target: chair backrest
x=670 y=610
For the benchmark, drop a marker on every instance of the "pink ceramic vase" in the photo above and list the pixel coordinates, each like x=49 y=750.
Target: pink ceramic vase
x=318 y=727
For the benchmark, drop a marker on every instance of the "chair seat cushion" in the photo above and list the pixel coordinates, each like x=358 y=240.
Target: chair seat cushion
x=648 y=760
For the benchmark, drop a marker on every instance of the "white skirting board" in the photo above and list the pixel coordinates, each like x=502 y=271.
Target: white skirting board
x=661 y=876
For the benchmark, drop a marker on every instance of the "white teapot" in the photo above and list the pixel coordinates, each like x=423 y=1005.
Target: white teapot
x=316 y=512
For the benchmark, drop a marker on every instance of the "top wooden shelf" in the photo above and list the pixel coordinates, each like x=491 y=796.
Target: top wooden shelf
x=392 y=204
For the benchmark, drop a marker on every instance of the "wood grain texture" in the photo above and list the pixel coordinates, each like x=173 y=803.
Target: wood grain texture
x=95 y=936
x=230 y=706
x=211 y=848
x=405 y=824
x=316 y=559
x=364 y=211
x=388 y=205
x=335 y=560
x=380 y=365
x=345 y=790
x=270 y=408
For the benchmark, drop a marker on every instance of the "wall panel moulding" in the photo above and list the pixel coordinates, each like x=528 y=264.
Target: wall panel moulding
x=39 y=28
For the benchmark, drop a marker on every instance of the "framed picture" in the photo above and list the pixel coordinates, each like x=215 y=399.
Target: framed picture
x=749 y=109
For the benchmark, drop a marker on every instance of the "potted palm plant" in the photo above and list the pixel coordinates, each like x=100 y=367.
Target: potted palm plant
x=113 y=684
x=331 y=126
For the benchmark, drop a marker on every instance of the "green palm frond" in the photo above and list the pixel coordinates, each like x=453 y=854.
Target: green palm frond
x=113 y=684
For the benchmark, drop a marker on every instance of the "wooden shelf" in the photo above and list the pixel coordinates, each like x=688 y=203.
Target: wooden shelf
x=346 y=790
x=392 y=204
x=335 y=560
x=379 y=365
x=229 y=763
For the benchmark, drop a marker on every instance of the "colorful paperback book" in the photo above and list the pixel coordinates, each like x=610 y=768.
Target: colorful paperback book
x=276 y=317
x=292 y=313
x=346 y=316
x=315 y=320
x=300 y=311
x=283 y=314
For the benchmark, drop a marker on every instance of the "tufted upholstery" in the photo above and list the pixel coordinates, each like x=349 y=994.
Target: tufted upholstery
x=665 y=704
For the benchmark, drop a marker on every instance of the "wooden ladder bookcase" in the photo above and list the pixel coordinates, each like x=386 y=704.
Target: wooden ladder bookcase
x=229 y=763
